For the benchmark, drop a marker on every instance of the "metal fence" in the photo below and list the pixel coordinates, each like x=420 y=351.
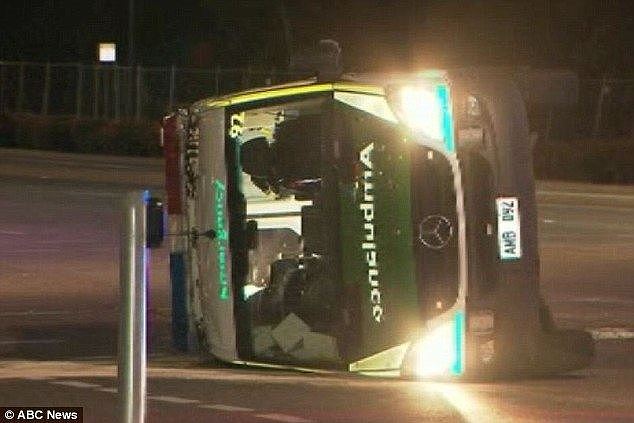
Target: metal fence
x=605 y=108
x=112 y=91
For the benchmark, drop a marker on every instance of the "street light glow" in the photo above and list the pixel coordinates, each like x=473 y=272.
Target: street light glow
x=107 y=52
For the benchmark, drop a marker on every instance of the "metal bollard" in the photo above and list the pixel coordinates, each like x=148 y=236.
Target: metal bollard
x=132 y=334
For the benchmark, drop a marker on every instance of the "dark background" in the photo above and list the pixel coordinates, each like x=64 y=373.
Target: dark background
x=590 y=37
x=191 y=49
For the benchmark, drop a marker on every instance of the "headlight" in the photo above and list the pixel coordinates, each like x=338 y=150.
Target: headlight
x=420 y=109
x=440 y=352
x=426 y=110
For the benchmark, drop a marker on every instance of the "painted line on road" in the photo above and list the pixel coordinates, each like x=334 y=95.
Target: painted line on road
x=32 y=341
x=75 y=384
x=224 y=407
x=173 y=400
x=36 y=378
x=11 y=233
x=31 y=250
x=94 y=357
x=34 y=189
x=65 y=241
x=612 y=333
x=286 y=418
x=595 y=300
x=587 y=194
x=283 y=418
x=34 y=313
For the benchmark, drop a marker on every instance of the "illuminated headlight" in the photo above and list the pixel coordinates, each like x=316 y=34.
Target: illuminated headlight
x=440 y=352
x=421 y=110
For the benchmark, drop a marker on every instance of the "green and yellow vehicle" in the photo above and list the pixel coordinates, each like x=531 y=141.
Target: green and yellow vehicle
x=381 y=224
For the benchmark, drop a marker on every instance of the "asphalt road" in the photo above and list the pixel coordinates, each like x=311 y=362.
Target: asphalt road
x=59 y=231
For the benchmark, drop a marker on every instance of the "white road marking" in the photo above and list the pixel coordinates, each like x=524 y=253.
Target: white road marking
x=32 y=341
x=283 y=418
x=11 y=233
x=174 y=400
x=223 y=407
x=548 y=221
x=31 y=250
x=34 y=313
x=595 y=300
x=65 y=241
x=109 y=390
x=94 y=357
x=612 y=333
x=104 y=194
x=587 y=194
x=76 y=384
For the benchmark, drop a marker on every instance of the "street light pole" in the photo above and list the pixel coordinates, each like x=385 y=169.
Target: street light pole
x=130 y=55
x=130 y=32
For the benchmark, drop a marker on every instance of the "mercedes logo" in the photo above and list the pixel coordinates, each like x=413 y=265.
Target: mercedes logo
x=435 y=231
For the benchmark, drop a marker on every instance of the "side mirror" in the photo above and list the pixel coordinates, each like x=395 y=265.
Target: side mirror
x=252 y=234
x=155 y=222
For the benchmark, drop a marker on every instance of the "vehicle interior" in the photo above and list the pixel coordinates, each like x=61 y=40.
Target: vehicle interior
x=289 y=295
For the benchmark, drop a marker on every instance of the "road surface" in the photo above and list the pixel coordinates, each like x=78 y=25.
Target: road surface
x=59 y=298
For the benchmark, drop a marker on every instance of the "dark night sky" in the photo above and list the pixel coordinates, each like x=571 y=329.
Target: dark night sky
x=591 y=36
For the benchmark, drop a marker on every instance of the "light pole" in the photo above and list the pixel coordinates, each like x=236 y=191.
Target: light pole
x=131 y=58
x=130 y=32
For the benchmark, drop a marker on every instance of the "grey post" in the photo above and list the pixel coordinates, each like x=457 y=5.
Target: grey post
x=217 y=79
x=106 y=90
x=172 y=87
x=137 y=110
x=46 y=92
x=2 y=84
x=130 y=33
x=132 y=334
x=95 y=98
x=20 y=97
x=116 y=84
x=78 y=89
x=603 y=90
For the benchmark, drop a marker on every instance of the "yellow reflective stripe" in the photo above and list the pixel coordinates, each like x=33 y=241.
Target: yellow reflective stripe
x=283 y=92
x=358 y=88
x=248 y=97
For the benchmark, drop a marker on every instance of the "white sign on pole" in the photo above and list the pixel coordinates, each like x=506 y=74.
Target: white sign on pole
x=509 y=241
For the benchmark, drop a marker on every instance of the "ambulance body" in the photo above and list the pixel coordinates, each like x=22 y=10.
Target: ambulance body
x=380 y=224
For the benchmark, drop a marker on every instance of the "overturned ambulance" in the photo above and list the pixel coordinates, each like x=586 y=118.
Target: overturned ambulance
x=379 y=224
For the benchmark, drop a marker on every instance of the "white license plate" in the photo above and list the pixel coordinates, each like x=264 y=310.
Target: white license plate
x=509 y=241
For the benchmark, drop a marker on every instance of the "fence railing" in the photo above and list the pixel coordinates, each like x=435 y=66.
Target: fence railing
x=113 y=92
x=605 y=108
